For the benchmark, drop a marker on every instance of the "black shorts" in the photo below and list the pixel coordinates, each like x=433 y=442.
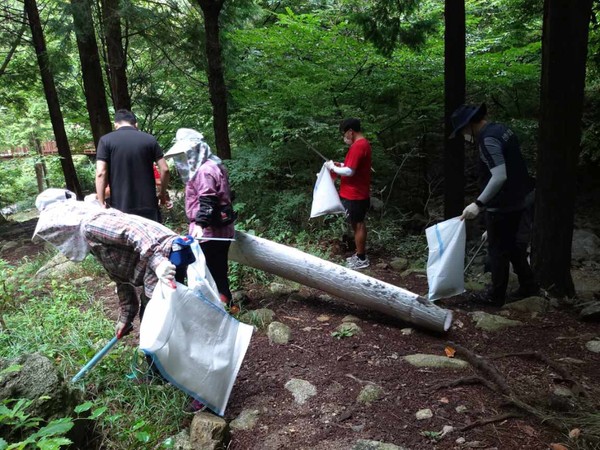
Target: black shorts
x=356 y=210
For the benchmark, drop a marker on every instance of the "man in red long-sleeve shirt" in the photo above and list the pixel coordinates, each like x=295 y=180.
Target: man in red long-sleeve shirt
x=355 y=187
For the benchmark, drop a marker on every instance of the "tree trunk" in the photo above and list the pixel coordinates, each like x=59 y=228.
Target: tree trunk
x=564 y=54
x=115 y=55
x=454 y=96
x=216 y=79
x=356 y=287
x=56 y=117
x=91 y=70
x=41 y=171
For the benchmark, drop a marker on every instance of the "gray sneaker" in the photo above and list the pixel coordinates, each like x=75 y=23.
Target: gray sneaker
x=356 y=263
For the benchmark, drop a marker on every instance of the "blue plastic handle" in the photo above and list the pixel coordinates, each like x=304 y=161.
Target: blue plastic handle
x=97 y=357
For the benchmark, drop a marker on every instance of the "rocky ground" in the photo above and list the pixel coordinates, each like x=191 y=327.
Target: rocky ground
x=520 y=377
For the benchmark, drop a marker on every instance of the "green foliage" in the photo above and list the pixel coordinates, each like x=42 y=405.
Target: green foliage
x=69 y=325
x=29 y=430
x=343 y=333
x=388 y=23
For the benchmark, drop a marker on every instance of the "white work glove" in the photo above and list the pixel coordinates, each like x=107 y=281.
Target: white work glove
x=484 y=236
x=470 y=212
x=197 y=232
x=330 y=165
x=165 y=272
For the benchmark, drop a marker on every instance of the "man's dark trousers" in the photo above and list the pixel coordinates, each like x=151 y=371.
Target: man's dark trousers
x=503 y=249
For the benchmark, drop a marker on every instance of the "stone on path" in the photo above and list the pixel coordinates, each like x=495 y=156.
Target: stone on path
x=426 y=360
x=369 y=394
x=530 y=304
x=591 y=312
x=593 y=346
x=301 y=390
x=208 y=432
x=363 y=444
x=491 y=322
x=423 y=414
x=246 y=420
x=279 y=333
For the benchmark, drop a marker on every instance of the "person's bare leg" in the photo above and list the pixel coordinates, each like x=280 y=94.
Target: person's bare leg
x=360 y=237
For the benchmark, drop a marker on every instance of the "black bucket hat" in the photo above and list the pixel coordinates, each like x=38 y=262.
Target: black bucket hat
x=465 y=114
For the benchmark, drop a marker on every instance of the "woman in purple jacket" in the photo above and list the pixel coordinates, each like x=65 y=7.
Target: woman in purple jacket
x=207 y=203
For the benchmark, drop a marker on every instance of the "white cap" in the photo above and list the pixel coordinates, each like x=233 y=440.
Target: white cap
x=53 y=195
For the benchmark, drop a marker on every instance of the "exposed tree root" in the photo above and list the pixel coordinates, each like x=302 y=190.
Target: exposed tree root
x=493 y=376
x=493 y=419
x=488 y=370
x=560 y=370
x=466 y=381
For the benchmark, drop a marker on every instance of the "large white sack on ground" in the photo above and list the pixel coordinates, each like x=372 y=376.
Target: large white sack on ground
x=195 y=344
x=325 y=197
x=445 y=265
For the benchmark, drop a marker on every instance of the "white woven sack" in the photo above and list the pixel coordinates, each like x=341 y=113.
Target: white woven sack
x=325 y=197
x=199 y=277
x=445 y=265
x=195 y=344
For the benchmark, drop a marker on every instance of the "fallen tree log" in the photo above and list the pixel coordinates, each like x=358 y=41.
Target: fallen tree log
x=293 y=264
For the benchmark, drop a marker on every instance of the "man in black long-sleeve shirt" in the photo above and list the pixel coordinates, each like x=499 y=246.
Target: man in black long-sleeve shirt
x=505 y=184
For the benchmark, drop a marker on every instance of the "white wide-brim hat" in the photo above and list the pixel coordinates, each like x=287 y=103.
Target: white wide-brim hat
x=185 y=139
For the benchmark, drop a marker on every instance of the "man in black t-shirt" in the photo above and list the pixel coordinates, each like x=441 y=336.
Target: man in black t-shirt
x=124 y=161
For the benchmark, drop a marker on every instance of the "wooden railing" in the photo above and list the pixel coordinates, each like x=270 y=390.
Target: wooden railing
x=48 y=148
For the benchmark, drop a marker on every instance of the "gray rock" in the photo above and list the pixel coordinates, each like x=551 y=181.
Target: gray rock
x=413 y=270
x=377 y=204
x=281 y=289
x=82 y=281
x=369 y=394
x=301 y=390
x=593 y=346
x=58 y=267
x=529 y=304
x=442 y=362
x=363 y=444
x=562 y=391
x=260 y=318
x=585 y=282
x=246 y=420
x=350 y=318
x=591 y=312
x=181 y=441
x=399 y=264
x=35 y=378
x=238 y=297
x=423 y=414
x=585 y=246
x=491 y=322
x=278 y=333
x=208 y=432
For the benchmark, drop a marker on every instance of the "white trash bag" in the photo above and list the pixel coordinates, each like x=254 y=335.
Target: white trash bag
x=325 y=197
x=445 y=265
x=200 y=279
x=196 y=345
